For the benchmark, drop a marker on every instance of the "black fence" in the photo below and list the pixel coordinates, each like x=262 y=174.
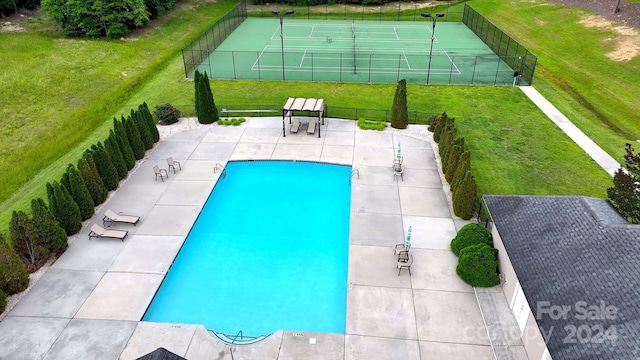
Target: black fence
x=521 y=60
x=200 y=49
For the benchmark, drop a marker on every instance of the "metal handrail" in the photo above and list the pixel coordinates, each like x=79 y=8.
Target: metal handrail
x=237 y=339
x=354 y=172
x=221 y=168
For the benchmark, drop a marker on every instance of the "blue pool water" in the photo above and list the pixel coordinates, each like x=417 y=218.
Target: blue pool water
x=269 y=251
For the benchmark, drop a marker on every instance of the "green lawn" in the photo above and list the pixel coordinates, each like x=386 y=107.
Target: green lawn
x=59 y=96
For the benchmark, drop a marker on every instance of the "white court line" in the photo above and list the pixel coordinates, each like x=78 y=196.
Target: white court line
x=313 y=28
x=302 y=60
x=396 y=33
x=406 y=60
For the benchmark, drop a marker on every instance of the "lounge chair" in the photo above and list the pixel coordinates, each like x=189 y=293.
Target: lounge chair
x=159 y=172
x=398 y=171
x=110 y=217
x=405 y=265
x=295 y=124
x=172 y=164
x=98 y=231
x=311 y=129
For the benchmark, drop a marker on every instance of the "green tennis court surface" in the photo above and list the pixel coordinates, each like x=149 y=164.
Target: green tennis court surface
x=356 y=51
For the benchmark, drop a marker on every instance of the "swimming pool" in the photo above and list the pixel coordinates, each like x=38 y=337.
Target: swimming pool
x=269 y=251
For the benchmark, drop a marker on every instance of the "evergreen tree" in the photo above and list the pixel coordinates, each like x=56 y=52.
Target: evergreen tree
x=134 y=138
x=143 y=129
x=625 y=193
x=13 y=275
x=399 y=112
x=64 y=209
x=113 y=150
x=210 y=98
x=437 y=132
x=478 y=265
x=196 y=84
x=464 y=165
x=453 y=160
x=207 y=110
x=153 y=129
x=453 y=142
x=465 y=196
x=106 y=169
x=92 y=180
x=26 y=241
x=123 y=141
x=448 y=136
x=53 y=236
x=79 y=192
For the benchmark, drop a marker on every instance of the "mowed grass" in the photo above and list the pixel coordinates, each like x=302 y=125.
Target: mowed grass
x=59 y=106
x=598 y=94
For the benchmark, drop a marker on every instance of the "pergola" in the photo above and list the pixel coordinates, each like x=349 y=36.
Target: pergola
x=310 y=105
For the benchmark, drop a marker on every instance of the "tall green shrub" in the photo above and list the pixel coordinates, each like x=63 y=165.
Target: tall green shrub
x=26 y=241
x=625 y=192
x=65 y=210
x=92 y=180
x=470 y=234
x=134 y=138
x=113 y=151
x=79 y=192
x=478 y=265
x=449 y=135
x=197 y=89
x=106 y=169
x=207 y=111
x=437 y=131
x=123 y=141
x=151 y=124
x=465 y=196
x=143 y=129
x=452 y=144
x=464 y=165
x=14 y=277
x=453 y=159
x=51 y=233
x=3 y=301
x=399 y=112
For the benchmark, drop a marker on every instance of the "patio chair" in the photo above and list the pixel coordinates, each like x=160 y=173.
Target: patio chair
x=110 y=217
x=98 y=231
x=159 y=172
x=398 y=171
x=401 y=249
x=295 y=124
x=311 y=129
x=172 y=164
x=405 y=265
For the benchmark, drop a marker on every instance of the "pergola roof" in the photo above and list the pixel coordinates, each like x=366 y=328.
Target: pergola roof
x=303 y=104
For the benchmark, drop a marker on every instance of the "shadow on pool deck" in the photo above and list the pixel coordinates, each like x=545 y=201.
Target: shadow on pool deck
x=89 y=303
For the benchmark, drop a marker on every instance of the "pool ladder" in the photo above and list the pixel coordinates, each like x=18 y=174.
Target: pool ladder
x=221 y=168
x=238 y=339
x=354 y=172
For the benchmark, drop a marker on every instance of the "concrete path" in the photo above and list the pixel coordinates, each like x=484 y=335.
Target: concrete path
x=608 y=163
x=88 y=305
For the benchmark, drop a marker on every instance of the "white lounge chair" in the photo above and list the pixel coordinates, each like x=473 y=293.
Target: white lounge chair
x=295 y=124
x=311 y=129
x=172 y=164
x=98 y=231
x=110 y=217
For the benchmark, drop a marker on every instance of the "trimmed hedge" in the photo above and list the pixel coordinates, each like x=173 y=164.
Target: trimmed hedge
x=478 y=265
x=468 y=235
x=14 y=277
x=399 y=112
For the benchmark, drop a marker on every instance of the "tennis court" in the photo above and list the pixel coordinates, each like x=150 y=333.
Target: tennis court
x=356 y=51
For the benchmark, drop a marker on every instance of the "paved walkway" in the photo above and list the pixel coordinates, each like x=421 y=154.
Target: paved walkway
x=88 y=305
x=591 y=148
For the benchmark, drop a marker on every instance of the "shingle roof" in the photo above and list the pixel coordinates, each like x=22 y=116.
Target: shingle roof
x=576 y=252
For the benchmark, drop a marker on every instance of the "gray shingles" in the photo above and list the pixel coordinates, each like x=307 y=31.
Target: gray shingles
x=577 y=252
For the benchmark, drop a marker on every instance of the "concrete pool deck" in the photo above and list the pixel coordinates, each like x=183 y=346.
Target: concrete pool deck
x=89 y=303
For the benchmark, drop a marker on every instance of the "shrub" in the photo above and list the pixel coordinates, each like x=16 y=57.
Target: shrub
x=206 y=109
x=449 y=147
x=470 y=234
x=399 y=112
x=464 y=197
x=72 y=180
x=151 y=124
x=123 y=142
x=625 y=193
x=432 y=121
x=26 y=241
x=453 y=160
x=478 y=265
x=92 y=180
x=167 y=114
x=3 y=301
x=106 y=169
x=371 y=124
x=437 y=131
x=63 y=208
x=52 y=235
x=13 y=275
x=115 y=155
x=143 y=129
x=133 y=136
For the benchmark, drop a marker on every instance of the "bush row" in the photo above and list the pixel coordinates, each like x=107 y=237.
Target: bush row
x=73 y=199
x=477 y=258
x=456 y=166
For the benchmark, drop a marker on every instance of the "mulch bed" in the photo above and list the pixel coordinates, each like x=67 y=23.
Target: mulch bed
x=628 y=14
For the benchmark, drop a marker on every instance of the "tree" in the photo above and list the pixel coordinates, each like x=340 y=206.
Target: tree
x=143 y=129
x=64 y=209
x=470 y=234
x=153 y=129
x=464 y=165
x=478 y=265
x=106 y=169
x=625 y=193
x=26 y=242
x=51 y=233
x=113 y=150
x=13 y=275
x=453 y=159
x=206 y=109
x=453 y=143
x=399 y=112
x=125 y=147
x=464 y=197
x=196 y=84
x=442 y=123
x=134 y=138
x=92 y=180
x=74 y=183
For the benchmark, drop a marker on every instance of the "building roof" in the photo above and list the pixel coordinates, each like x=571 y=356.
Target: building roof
x=577 y=254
